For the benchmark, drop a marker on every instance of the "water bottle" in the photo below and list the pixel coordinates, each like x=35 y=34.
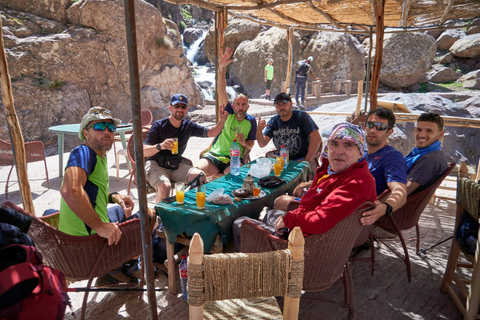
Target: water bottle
x=283 y=153
x=235 y=158
x=182 y=268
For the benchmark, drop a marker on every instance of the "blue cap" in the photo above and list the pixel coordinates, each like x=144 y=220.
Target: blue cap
x=178 y=98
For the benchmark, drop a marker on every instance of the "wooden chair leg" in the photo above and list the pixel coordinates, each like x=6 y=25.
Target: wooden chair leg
x=172 y=273
x=417 y=227
x=451 y=265
x=473 y=300
x=348 y=287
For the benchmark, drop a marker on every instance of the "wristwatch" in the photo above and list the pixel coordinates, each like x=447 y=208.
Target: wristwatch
x=389 y=209
x=159 y=147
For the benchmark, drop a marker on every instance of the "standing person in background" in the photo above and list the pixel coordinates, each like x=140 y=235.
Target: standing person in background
x=268 y=78
x=301 y=81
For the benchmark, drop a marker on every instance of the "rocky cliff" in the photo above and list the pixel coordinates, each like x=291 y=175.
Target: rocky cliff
x=67 y=57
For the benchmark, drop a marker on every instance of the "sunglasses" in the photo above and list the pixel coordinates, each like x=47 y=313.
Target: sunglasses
x=379 y=126
x=101 y=126
x=180 y=105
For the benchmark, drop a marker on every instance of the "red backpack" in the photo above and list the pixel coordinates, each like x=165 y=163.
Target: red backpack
x=29 y=289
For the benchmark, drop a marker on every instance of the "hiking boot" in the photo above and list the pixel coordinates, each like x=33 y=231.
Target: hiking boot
x=301 y=107
x=132 y=268
x=296 y=107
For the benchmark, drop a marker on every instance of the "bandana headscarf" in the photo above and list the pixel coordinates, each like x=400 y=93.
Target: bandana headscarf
x=349 y=132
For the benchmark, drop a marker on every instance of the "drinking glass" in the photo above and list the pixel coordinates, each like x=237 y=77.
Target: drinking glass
x=256 y=190
x=280 y=160
x=201 y=195
x=180 y=192
x=175 y=146
x=277 y=168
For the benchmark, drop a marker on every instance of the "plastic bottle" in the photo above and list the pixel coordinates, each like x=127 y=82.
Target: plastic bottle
x=235 y=158
x=182 y=268
x=283 y=153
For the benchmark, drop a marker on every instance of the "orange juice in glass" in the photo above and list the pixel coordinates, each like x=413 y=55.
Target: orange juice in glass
x=281 y=161
x=256 y=191
x=277 y=168
x=180 y=192
x=175 y=146
x=201 y=195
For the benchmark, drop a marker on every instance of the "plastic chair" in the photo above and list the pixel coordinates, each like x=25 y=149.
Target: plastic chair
x=407 y=217
x=250 y=282
x=326 y=255
x=147 y=119
x=34 y=151
x=468 y=197
x=81 y=257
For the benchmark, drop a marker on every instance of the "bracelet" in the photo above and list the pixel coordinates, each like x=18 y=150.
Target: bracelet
x=110 y=199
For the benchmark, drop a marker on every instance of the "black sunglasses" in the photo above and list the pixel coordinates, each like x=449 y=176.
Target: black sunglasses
x=180 y=105
x=379 y=126
x=101 y=126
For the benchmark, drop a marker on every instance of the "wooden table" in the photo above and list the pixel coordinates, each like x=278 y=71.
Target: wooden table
x=215 y=219
x=73 y=129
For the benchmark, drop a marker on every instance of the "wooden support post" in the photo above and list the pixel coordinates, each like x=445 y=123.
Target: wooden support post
x=296 y=244
x=348 y=87
x=359 y=100
x=195 y=256
x=220 y=26
x=338 y=86
x=377 y=64
x=316 y=88
x=16 y=137
x=286 y=86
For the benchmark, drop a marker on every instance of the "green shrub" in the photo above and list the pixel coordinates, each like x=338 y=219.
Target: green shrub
x=182 y=26
x=47 y=84
x=164 y=42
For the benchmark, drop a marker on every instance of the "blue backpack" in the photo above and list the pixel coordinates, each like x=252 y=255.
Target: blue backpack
x=303 y=69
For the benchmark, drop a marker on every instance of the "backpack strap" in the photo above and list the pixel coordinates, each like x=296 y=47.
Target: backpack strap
x=16 y=274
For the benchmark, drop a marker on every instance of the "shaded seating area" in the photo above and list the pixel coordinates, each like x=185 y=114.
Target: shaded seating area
x=326 y=255
x=462 y=280
x=240 y=285
x=34 y=151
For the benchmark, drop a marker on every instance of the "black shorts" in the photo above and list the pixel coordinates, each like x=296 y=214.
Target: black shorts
x=269 y=84
x=219 y=164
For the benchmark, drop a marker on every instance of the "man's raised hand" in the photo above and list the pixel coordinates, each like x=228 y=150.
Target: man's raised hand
x=225 y=58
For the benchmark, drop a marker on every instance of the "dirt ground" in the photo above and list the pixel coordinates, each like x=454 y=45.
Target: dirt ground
x=385 y=295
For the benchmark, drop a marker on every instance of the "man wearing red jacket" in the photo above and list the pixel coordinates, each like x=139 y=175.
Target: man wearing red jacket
x=340 y=186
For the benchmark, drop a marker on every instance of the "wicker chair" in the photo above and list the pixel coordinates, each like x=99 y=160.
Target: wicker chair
x=245 y=284
x=34 y=151
x=81 y=258
x=468 y=197
x=326 y=255
x=407 y=217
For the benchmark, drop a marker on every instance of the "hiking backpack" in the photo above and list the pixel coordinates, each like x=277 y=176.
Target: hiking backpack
x=29 y=289
x=303 y=69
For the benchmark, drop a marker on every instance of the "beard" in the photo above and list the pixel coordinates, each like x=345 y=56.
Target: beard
x=178 y=116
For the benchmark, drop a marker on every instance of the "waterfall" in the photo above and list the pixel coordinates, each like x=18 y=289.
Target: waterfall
x=204 y=76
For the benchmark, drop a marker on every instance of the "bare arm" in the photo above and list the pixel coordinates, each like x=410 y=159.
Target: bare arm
x=261 y=139
x=77 y=199
x=412 y=186
x=315 y=141
x=396 y=199
x=311 y=71
x=215 y=130
x=223 y=62
x=151 y=150
x=265 y=73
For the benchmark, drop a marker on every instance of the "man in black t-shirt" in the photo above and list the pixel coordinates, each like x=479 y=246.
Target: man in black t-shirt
x=163 y=167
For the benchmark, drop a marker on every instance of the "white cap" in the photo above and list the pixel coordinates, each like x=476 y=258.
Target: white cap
x=310 y=58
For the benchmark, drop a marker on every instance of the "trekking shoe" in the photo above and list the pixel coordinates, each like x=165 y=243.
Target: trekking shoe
x=132 y=268
x=301 y=107
x=296 y=106
x=114 y=278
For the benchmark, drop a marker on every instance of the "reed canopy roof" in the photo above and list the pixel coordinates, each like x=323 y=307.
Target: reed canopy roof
x=347 y=15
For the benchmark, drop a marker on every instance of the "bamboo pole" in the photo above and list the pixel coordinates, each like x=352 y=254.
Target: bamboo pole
x=16 y=137
x=377 y=64
x=220 y=26
x=286 y=89
x=131 y=35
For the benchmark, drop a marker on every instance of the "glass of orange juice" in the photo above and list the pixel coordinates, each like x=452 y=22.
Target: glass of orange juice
x=201 y=195
x=180 y=192
x=277 y=168
x=280 y=160
x=175 y=146
x=256 y=190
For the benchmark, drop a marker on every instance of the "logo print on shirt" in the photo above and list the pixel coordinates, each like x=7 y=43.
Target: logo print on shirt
x=319 y=190
x=376 y=158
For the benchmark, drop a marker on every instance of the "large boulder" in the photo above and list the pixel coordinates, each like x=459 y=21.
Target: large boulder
x=336 y=56
x=238 y=30
x=468 y=47
x=441 y=74
x=448 y=38
x=89 y=56
x=191 y=34
x=406 y=57
x=48 y=9
x=471 y=80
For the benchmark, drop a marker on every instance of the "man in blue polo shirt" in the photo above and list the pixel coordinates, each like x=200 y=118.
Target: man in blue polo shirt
x=386 y=164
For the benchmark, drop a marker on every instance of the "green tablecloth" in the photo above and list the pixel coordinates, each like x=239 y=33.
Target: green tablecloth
x=215 y=219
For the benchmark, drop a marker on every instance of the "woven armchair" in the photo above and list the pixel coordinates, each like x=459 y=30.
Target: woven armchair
x=240 y=285
x=468 y=197
x=81 y=257
x=34 y=151
x=407 y=217
x=326 y=255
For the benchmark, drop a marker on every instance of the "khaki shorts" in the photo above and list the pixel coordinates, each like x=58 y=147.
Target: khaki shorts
x=157 y=175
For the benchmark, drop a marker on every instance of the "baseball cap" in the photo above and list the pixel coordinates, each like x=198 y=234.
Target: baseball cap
x=282 y=97
x=310 y=58
x=96 y=113
x=178 y=98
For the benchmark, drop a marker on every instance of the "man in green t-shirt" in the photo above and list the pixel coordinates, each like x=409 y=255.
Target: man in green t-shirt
x=268 y=78
x=239 y=125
